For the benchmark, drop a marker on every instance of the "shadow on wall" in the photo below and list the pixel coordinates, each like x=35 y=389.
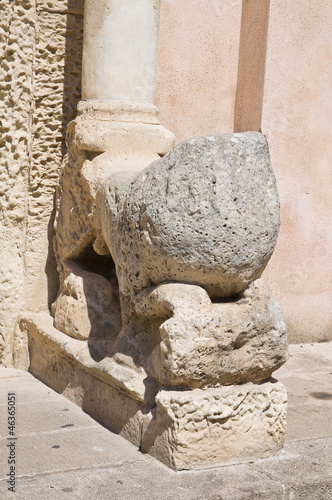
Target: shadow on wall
x=71 y=97
x=252 y=62
x=72 y=63
x=101 y=292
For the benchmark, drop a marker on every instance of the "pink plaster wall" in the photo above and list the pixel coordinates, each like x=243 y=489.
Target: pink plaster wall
x=200 y=89
x=297 y=120
x=197 y=65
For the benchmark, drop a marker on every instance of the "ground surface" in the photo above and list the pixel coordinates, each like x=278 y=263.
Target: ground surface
x=62 y=453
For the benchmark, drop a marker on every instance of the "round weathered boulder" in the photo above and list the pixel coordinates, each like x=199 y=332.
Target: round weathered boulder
x=206 y=213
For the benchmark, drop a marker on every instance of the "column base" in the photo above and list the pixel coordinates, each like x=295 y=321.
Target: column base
x=216 y=426
x=121 y=127
x=183 y=429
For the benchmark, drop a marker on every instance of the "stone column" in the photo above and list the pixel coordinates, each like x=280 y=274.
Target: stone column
x=118 y=76
x=117 y=132
x=119 y=50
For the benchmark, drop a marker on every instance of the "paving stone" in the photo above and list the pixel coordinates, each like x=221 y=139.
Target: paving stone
x=57 y=460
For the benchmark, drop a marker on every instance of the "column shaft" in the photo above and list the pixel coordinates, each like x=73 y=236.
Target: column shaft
x=119 y=51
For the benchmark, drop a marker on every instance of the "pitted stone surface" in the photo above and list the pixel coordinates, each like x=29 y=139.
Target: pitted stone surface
x=16 y=90
x=87 y=306
x=206 y=213
x=40 y=61
x=212 y=426
x=204 y=343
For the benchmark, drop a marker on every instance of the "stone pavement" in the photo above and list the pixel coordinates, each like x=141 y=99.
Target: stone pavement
x=62 y=453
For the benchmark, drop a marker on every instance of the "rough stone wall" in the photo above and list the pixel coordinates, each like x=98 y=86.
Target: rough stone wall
x=56 y=92
x=40 y=65
x=17 y=25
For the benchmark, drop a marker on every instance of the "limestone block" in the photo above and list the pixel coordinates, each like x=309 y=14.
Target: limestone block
x=204 y=343
x=190 y=429
x=74 y=228
x=102 y=389
x=88 y=306
x=57 y=359
x=206 y=213
x=181 y=428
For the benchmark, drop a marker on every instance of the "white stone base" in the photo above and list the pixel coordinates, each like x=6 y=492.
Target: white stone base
x=182 y=429
x=204 y=427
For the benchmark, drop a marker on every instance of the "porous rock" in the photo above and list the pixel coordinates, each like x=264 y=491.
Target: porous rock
x=204 y=343
x=88 y=306
x=40 y=62
x=191 y=429
x=206 y=213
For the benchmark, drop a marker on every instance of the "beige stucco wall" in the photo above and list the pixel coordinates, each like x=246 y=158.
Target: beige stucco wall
x=207 y=65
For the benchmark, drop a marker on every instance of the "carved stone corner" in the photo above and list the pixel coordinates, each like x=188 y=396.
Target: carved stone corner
x=209 y=427
x=162 y=313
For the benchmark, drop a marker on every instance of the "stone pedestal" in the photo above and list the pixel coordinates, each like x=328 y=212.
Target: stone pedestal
x=184 y=429
x=181 y=367
x=206 y=427
x=163 y=329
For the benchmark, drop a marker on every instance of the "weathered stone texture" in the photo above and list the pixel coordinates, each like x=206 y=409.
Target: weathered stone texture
x=40 y=47
x=204 y=343
x=182 y=428
x=16 y=104
x=187 y=238
x=88 y=306
x=74 y=227
x=206 y=217
x=212 y=426
x=206 y=213
x=56 y=93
